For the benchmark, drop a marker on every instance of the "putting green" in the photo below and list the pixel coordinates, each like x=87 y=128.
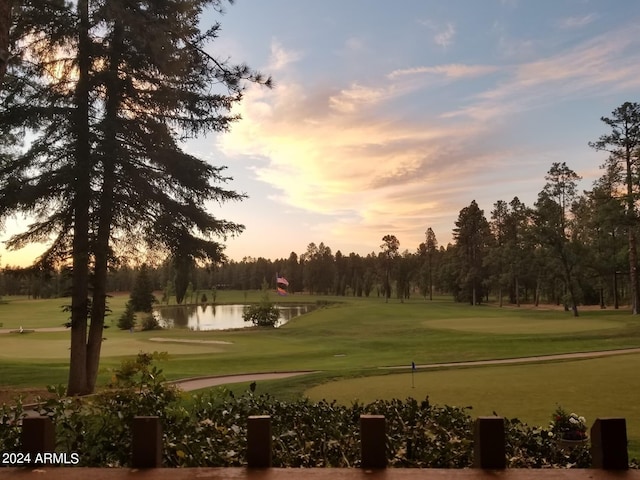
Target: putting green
x=56 y=346
x=522 y=325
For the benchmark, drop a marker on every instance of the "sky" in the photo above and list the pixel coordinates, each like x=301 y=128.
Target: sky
x=389 y=118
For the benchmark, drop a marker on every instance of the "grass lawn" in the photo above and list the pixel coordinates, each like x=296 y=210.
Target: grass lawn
x=354 y=337
x=28 y=313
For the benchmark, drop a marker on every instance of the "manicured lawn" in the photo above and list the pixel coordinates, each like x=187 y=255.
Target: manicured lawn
x=356 y=337
x=21 y=311
x=525 y=325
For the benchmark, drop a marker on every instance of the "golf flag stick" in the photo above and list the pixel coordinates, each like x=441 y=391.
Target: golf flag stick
x=413 y=369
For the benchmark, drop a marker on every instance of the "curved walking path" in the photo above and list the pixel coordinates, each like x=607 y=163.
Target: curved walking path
x=534 y=359
x=196 y=383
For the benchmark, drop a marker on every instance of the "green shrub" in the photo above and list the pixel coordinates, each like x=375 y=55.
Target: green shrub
x=10 y=418
x=150 y=322
x=261 y=315
x=264 y=314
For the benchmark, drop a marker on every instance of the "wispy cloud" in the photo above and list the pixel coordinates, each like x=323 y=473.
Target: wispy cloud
x=357 y=96
x=603 y=65
x=512 y=47
x=443 y=34
x=281 y=57
x=444 y=38
x=577 y=21
x=452 y=71
x=351 y=154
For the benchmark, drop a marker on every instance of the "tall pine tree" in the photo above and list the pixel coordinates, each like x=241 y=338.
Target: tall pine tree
x=473 y=238
x=108 y=108
x=554 y=225
x=623 y=146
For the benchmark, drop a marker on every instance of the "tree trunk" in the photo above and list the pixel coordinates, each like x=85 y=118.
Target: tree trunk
x=430 y=281
x=615 y=291
x=569 y=286
x=81 y=204
x=105 y=212
x=517 y=291
x=633 y=271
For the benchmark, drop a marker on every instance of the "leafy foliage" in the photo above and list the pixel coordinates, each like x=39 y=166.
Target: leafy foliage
x=10 y=418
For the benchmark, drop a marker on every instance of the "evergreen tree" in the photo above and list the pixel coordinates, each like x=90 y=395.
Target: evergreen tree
x=107 y=107
x=141 y=297
x=473 y=237
x=519 y=250
x=388 y=257
x=623 y=146
x=427 y=252
x=497 y=255
x=554 y=227
x=600 y=221
x=127 y=320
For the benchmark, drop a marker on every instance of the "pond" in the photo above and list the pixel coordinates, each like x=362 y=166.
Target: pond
x=218 y=317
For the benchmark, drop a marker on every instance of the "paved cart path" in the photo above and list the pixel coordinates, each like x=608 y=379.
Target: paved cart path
x=534 y=359
x=189 y=384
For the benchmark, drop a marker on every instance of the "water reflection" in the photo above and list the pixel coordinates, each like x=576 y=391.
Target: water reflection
x=218 y=317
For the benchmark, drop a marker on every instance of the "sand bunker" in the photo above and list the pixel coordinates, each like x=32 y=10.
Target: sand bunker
x=186 y=340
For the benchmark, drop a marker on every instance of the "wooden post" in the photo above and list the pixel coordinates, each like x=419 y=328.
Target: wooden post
x=146 y=444
x=609 y=444
x=373 y=439
x=38 y=436
x=489 y=443
x=259 y=441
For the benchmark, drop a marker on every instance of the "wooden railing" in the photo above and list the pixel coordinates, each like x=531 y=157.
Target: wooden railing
x=608 y=449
